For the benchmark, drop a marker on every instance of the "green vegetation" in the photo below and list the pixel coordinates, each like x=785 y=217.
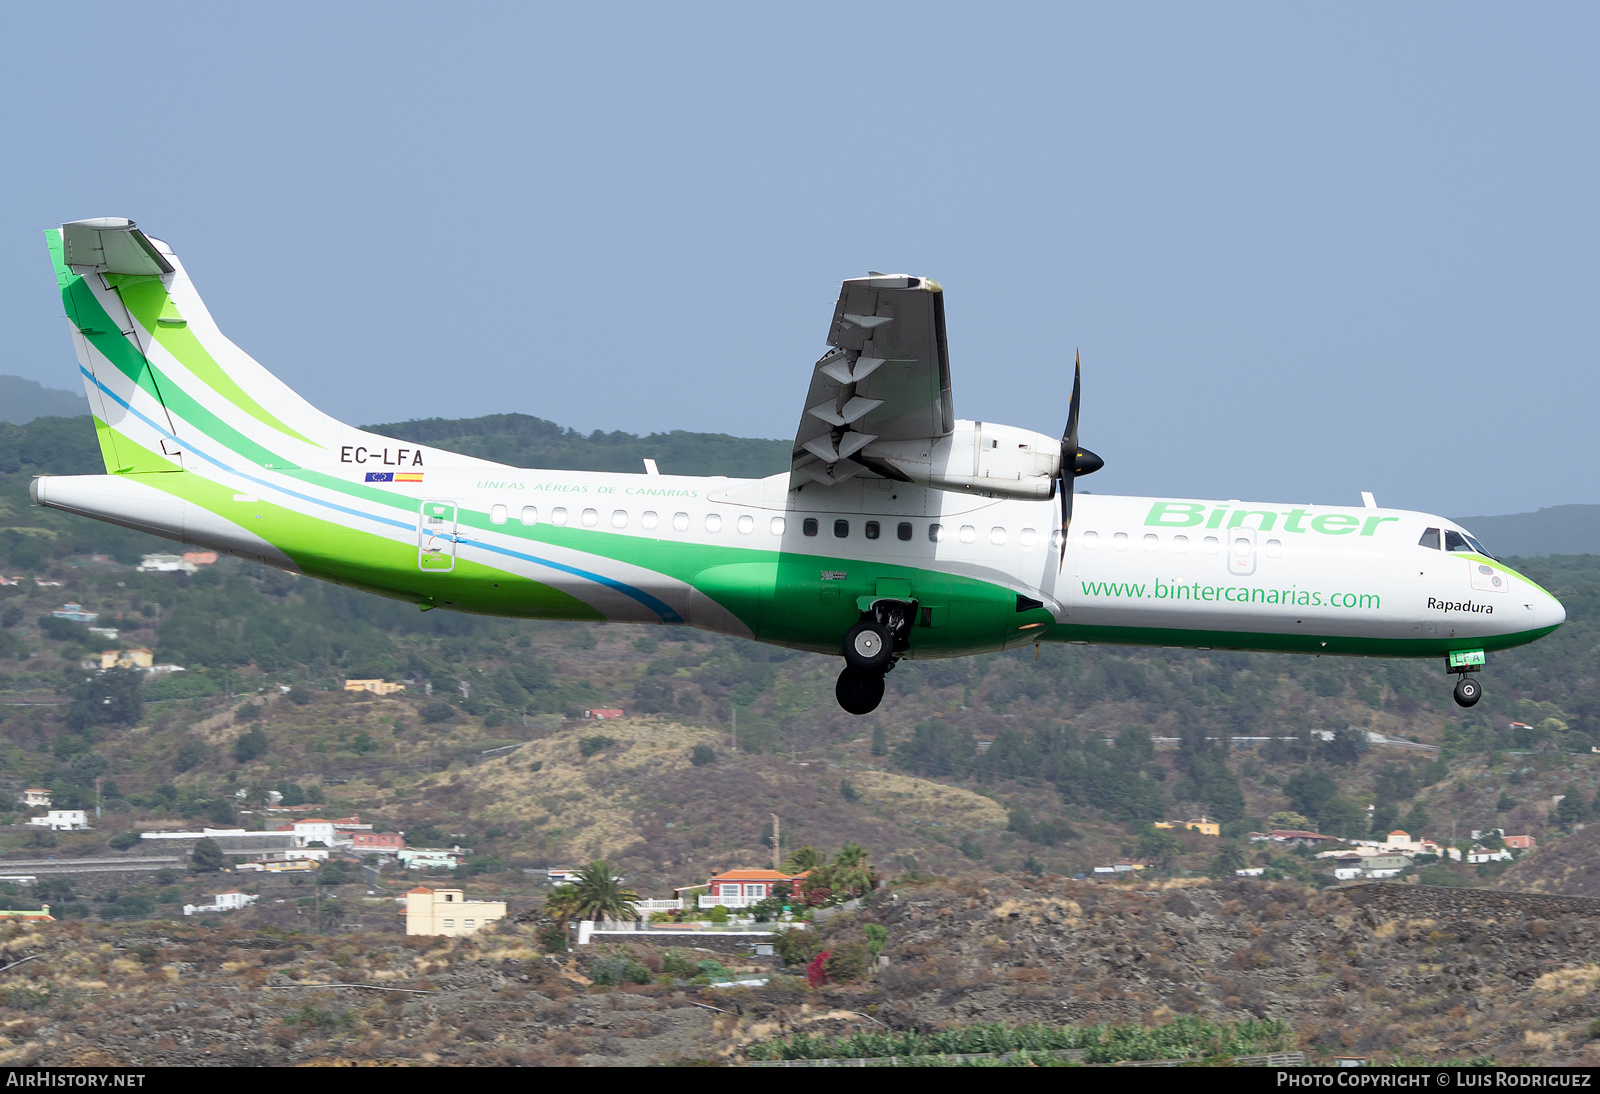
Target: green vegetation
x=1179 y=1039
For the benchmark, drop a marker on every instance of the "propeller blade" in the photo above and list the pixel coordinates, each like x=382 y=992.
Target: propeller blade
x=1069 y=457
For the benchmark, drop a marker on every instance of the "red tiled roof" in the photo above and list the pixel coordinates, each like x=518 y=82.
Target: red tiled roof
x=757 y=875
x=419 y=889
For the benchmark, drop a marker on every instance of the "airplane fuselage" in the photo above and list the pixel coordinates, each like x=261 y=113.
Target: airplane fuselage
x=752 y=558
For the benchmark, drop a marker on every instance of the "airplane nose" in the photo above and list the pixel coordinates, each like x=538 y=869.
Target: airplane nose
x=1549 y=612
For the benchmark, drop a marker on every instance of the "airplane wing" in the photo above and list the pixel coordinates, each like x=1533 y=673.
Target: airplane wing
x=885 y=378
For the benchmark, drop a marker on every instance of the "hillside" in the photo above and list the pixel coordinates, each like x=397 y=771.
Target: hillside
x=24 y=400
x=1557 y=530
x=1398 y=974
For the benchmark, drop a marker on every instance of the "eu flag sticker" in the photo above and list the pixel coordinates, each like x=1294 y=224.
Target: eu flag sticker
x=380 y=476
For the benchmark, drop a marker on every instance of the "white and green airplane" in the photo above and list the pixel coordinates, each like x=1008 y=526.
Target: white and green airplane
x=899 y=530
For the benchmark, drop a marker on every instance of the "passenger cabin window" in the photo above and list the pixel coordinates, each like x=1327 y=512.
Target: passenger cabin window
x=497 y=514
x=713 y=522
x=680 y=522
x=841 y=529
x=777 y=526
x=935 y=533
x=1430 y=538
x=530 y=515
x=591 y=517
x=649 y=519
x=872 y=529
x=809 y=527
x=904 y=531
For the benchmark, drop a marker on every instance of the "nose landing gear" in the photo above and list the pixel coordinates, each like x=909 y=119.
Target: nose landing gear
x=1464 y=663
x=870 y=651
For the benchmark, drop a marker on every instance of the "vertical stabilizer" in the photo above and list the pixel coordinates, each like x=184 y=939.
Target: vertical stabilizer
x=166 y=387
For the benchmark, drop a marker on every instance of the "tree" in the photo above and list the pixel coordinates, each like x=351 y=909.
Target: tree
x=251 y=745
x=112 y=697
x=936 y=748
x=1159 y=846
x=597 y=894
x=207 y=857
x=1290 y=821
x=803 y=858
x=700 y=755
x=1229 y=860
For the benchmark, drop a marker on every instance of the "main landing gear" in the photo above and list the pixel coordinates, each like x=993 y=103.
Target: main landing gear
x=1464 y=663
x=870 y=649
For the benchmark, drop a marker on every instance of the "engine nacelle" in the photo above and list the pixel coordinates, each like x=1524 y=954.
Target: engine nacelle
x=993 y=461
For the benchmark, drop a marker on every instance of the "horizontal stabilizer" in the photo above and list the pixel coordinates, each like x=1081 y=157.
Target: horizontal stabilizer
x=110 y=245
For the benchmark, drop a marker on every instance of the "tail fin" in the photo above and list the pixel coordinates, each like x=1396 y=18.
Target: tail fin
x=164 y=383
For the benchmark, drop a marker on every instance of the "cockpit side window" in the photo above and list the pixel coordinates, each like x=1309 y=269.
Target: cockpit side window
x=1430 y=538
x=1455 y=541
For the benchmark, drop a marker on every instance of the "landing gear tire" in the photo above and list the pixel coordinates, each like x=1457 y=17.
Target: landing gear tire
x=859 y=691
x=1468 y=691
x=869 y=645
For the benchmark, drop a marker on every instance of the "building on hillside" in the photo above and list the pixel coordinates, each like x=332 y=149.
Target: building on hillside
x=1402 y=842
x=309 y=831
x=41 y=916
x=200 y=558
x=1250 y=871
x=377 y=843
x=449 y=912
x=1119 y=868
x=1382 y=866
x=742 y=888
x=350 y=824
x=1483 y=854
x=1521 y=843
x=136 y=658
x=63 y=820
x=165 y=564
x=1293 y=837
x=74 y=611
x=1202 y=824
x=36 y=798
x=230 y=901
x=376 y=687
x=281 y=864
x=429 y=858
x=609 y=713
x=561 y=875
x=1478 y=835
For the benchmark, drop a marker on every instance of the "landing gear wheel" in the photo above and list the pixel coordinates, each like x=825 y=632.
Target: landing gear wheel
x=859 y=691
x=869 y=645
x=1468 y=691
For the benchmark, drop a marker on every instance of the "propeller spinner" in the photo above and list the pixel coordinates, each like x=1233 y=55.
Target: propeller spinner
x=1075 y=460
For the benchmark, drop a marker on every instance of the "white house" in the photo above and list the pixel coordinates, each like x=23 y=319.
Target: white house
x=63 y=820
x=39 y=799
x=1347 y=873
x=230 y=901
x=1483 y=854
x=309 y=831
x=420 y=858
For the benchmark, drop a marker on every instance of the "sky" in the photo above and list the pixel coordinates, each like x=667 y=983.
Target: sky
x=1304 y=250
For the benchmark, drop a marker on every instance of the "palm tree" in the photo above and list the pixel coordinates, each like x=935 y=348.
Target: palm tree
x=1229 y=859
x=599 y=895
x=804 y=858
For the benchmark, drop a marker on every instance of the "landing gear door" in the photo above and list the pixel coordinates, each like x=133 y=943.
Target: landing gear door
x=1241 y=543
x=436 y=537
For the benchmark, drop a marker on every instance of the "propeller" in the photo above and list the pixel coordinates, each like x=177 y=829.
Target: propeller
x=1075 y=461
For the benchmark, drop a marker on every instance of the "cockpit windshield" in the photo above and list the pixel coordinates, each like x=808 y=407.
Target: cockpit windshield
x=1460 y=541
